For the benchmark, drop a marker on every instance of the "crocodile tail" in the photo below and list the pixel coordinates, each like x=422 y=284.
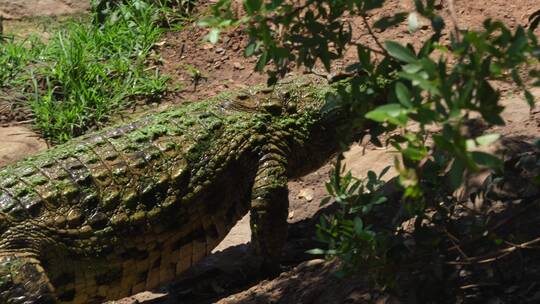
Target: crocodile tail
x=23 y=280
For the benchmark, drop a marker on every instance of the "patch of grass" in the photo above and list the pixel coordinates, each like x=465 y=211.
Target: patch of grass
x=87 y=71
x=14 y=57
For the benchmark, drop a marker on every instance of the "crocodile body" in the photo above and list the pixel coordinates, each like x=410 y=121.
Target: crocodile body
x=131 y=207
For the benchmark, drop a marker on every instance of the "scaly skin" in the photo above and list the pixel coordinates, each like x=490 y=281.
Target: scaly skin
x=128 y=208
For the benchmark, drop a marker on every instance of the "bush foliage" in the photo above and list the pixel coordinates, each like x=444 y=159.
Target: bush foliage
x=437 y=87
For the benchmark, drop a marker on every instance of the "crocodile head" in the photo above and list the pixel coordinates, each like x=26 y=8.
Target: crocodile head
x=321 y=119
x=329 y=120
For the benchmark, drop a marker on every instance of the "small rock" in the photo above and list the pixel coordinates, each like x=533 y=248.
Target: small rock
x=207 y=46
x=238 y=65
x=220 y=50
x=291 y=214
x=161 y=43
x=306 y=194
x=359 y=296
x=511 y=289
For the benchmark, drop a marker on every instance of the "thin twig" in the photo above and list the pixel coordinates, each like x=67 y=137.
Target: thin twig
x=22 y=122
x=503 y=222
x=383 y=52
x=492 y=257
x=453 y=16
x=456 y=242
x=478 y=285
x=372 y=34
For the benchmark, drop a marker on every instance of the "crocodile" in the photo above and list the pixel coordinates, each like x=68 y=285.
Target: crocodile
x=130 y=207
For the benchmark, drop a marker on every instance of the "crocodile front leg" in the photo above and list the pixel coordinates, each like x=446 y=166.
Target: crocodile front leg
x=269 y=210
x=23 y=280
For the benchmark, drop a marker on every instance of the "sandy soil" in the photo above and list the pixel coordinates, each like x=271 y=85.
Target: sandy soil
x=17 y=143
x=17 y=9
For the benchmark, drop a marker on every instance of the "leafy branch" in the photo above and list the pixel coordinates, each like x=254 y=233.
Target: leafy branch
x=436 y=87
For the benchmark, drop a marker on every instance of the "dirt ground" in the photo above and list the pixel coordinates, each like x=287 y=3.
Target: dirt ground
x=17 y=9
x=226 y=276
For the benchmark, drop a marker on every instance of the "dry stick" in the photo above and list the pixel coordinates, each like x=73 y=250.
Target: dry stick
x=22 y=122
x=479 y=285
x=456 y=242
x=496 y=255
x=502 y=223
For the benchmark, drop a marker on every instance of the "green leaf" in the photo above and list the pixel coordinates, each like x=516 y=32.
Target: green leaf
x=420 y=80
x=400 y=52
x=316 y=251
x=488 y=139
x=412 y=68
x=261 y=63
x=412 y=22
x=394 y=113
x=274 y=4
x=364 y=56
x=414 y=153
x=520 y=42
x=250 y=49
x=534 y=20
x=470 y=144
x=208 y=21
x=437 y=23
x=517 y=79
x=325 y=201
x=252 y=6
x=530 y=98
x=384 y=171
x=456 y=173
x=371 y=176
x=213 y=35
x=380 y=200
x=486 y=159
x=403 y=95
x=358 y=225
